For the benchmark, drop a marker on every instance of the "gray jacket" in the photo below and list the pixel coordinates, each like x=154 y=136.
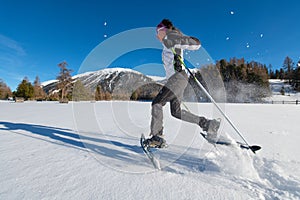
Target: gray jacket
x=175 y=39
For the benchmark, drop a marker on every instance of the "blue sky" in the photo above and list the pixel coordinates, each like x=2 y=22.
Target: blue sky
x=36 y=35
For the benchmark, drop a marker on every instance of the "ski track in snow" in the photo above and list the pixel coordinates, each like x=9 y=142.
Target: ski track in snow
x=91 y=151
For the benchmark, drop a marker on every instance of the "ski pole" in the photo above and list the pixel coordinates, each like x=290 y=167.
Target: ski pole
x=212 y=100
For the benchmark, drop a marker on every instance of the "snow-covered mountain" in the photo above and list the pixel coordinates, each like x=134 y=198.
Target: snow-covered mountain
x=112 y=78
x=117 y=81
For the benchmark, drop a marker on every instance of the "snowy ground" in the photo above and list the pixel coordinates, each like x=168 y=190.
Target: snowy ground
x=91 y=151
x=289 y=96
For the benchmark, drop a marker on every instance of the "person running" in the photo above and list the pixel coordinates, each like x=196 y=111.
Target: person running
x=177 y=80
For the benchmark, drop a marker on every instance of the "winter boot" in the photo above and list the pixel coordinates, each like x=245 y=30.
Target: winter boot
x=211 y=127
x=156 y=141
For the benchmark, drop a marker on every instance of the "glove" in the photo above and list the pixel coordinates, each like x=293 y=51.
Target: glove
x=177 y=63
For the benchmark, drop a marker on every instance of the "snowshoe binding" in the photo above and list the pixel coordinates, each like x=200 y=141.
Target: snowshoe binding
x=155 y=141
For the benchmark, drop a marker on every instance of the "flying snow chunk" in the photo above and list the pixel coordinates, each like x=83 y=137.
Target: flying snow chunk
x=231 y=12
x=261 y=35
x=105 y=36
x=248 y=45
x=105 y=23
x=228 y=38
x=298 y=64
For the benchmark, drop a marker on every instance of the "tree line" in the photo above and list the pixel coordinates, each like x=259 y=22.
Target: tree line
x=242 y=81
x=245 y=72
x=235 y=73
x=289 y=71
x=25 y=89
x=66 y=89
x=29 y=91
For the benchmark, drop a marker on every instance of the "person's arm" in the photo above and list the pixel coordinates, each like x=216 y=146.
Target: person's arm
x=177 y=40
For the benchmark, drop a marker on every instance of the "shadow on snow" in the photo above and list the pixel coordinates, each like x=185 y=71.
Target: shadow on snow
x=110 y=148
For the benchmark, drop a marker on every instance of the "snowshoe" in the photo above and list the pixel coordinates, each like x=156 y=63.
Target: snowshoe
x=155 y=142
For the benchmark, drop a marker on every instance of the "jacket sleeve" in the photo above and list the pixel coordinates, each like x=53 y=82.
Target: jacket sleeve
x=177 y=40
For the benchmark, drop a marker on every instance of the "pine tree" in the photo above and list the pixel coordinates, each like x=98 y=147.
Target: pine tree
x=271 y=72
x=39 y=93
x=64 y=80
x=281 y=74
x=25 y=89
x=288 y=66
x=80 y=92
x=296 y=77
x=5 y=91
x=99 y=93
